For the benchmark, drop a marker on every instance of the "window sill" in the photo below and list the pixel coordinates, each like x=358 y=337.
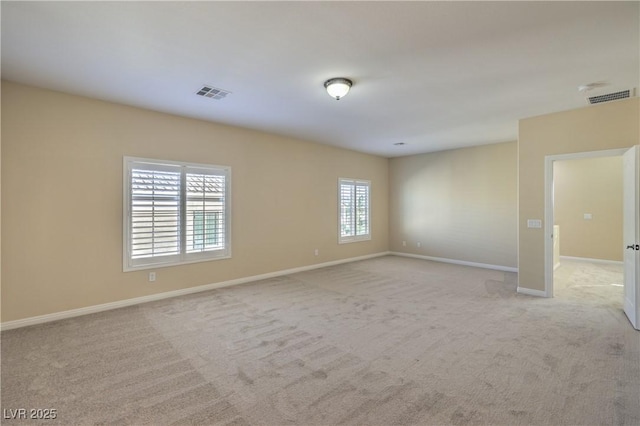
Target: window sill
x=174 y=263
x=354 y=239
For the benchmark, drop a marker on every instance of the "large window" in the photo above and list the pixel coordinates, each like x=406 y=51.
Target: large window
x=174 y=213
x=354 y=210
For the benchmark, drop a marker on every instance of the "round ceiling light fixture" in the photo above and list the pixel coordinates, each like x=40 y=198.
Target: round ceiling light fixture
x=591 y=86
x=338 y=87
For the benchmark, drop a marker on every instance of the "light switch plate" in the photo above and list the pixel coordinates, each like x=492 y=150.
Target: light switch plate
x=534 y=223
x=588 y=216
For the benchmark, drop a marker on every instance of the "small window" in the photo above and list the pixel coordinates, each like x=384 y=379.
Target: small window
x=174 y=213
x=354 y=210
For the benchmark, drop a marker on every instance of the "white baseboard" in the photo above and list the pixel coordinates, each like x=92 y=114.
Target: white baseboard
x=588 y=259
x=531 y=292
x=457 y=262
x=8 y=325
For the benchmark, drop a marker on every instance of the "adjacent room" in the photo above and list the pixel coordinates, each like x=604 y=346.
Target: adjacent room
x=320 y=213
x=588 y=242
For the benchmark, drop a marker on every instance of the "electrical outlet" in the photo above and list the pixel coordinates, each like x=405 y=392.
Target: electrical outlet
x=404 y=244
x=419 y=244
x=316 y=252
x=152 y=276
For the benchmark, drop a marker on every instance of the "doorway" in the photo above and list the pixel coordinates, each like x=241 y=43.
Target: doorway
x=587 y=231
x=634 y=287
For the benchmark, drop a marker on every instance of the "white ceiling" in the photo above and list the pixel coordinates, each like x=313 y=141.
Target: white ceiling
x=434 y=75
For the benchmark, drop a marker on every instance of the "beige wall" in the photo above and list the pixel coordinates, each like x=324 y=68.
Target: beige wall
x=459 y=204
x=593 y=128
x=594 y=186
x=62 y=199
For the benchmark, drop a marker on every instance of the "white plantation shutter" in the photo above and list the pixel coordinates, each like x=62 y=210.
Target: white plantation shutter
x=174 y=213
x=155 y=212
x=346 y=209
x=354 y=212
x=205 y=212
x=362 y=208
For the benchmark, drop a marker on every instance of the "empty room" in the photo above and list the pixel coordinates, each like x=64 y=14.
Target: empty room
x=320 y=213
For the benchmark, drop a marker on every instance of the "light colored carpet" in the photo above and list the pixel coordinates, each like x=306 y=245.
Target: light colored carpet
x=379 y=342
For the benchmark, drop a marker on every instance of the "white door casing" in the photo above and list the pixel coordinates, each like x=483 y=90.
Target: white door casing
x=631 y=234
x=548 y=205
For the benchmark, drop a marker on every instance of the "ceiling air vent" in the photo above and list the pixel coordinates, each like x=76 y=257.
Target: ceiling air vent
x=212 y=92
x=611 y=96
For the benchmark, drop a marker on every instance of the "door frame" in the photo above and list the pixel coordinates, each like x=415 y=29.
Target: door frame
x=548 y=205
x=631 y=260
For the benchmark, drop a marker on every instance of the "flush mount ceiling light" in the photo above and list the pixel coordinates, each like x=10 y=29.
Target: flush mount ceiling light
x=591 y=86
x=338 y=87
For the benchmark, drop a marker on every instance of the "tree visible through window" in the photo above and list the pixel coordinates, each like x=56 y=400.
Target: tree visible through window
x=354 y=210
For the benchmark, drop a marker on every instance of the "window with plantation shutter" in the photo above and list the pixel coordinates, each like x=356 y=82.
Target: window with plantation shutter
x=205 y=212
x=354 y=210
x=155 y=213
x=174 y=213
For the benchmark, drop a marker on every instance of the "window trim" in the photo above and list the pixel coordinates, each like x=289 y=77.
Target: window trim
x=183 y=258
x=353 y=238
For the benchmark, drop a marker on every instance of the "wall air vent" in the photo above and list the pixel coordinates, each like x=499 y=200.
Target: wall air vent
x=212 y=92
x=608 y=97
